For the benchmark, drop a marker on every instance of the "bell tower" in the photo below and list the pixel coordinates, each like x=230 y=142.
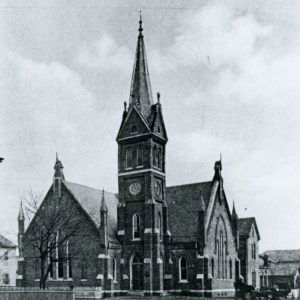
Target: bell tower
x=142 y=212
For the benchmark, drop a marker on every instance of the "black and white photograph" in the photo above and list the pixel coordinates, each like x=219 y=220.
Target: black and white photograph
x=149 y=149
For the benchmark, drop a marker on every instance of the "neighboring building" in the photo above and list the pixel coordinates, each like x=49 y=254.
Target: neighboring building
x=249 y=251
x=148 y=237
x=280 y=268
x=8 y=262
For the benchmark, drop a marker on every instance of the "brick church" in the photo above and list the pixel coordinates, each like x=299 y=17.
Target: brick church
x=148 y=237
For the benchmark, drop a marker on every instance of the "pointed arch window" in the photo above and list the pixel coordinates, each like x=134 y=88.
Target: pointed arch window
x=154 y=154
x=230 y=269
x=254 y=251
x=128 y=158
x=133 y=129
x=159 y=158
x=139 y=156
x=59 y=257
x=36 y=269
x=84 y=269
x=213 y=267
x=182 y=269
x=159 y=226
x=136 y=226
x=69 y=261
x=50 y=261
x=114 y=269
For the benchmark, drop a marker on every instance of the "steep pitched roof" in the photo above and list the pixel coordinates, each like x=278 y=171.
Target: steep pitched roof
x=140 y=91
x=283 y=262
x=244 y=226
x=90 y=200
x=184 y=202
x=5 y=243
x=283 y=255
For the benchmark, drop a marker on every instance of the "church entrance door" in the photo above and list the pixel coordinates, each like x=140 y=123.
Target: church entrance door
x=136 y=274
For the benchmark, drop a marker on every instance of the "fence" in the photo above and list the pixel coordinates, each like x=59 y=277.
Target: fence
x=54 y=293
x=36 y=295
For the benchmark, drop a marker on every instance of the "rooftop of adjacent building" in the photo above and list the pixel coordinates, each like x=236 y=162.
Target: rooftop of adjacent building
x=245 y=225
x=281 y=262
x=5 y=243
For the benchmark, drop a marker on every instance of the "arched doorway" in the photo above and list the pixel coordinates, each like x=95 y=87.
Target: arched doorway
x=136 y=273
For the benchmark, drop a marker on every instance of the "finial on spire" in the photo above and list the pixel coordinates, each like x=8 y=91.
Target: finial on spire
x=21 y=212
x=234 y=214
x=58 y=167
x=158 y=97
x=141 y=25
x=103 y=207
x=221 y=157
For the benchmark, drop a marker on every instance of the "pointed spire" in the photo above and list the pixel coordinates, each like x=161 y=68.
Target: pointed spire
x=21 y=213
x=141 y=25
x=140 y=91
x=103 y=207
x=58 y=167
x=234 y=214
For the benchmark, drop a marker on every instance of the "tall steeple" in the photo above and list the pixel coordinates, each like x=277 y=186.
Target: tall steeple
x=103 y=223
x=140 y=91
x=21 y=230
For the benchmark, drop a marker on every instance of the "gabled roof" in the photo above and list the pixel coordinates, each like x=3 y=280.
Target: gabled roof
x=5 y=243
x=184 y=201
x=90 y=200
x=283 y=262
x=283 y=255
x=244 y=227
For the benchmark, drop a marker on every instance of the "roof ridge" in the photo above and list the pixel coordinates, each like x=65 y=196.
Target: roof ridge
x=281 y=250
x=90 y=187
x=186 y=184
x=10 y=244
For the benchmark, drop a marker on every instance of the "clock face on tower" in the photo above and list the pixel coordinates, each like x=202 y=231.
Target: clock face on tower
x=135 y=188
x=157 y=188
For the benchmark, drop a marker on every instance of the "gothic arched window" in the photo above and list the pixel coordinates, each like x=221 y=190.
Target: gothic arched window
x=159 y=158
x=230 y=269
x=136 y=226
x=84 y=268
x=212 y=267
x=129 y=158
x=69 y=261
x=182 y=269
x=139 y=161
x=133 y=129
x=159 y=225
x=154 y=154
x=114 y=269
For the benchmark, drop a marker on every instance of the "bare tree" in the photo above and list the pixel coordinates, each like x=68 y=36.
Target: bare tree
x=53 y=224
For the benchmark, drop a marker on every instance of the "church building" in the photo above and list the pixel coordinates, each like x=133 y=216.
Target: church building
x=148 y=237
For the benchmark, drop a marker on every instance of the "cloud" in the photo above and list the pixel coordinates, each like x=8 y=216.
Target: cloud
x=105 y=55
x=45 y=105
x=215 y=34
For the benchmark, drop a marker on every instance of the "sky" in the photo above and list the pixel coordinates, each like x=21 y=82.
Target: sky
x=229 y=77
